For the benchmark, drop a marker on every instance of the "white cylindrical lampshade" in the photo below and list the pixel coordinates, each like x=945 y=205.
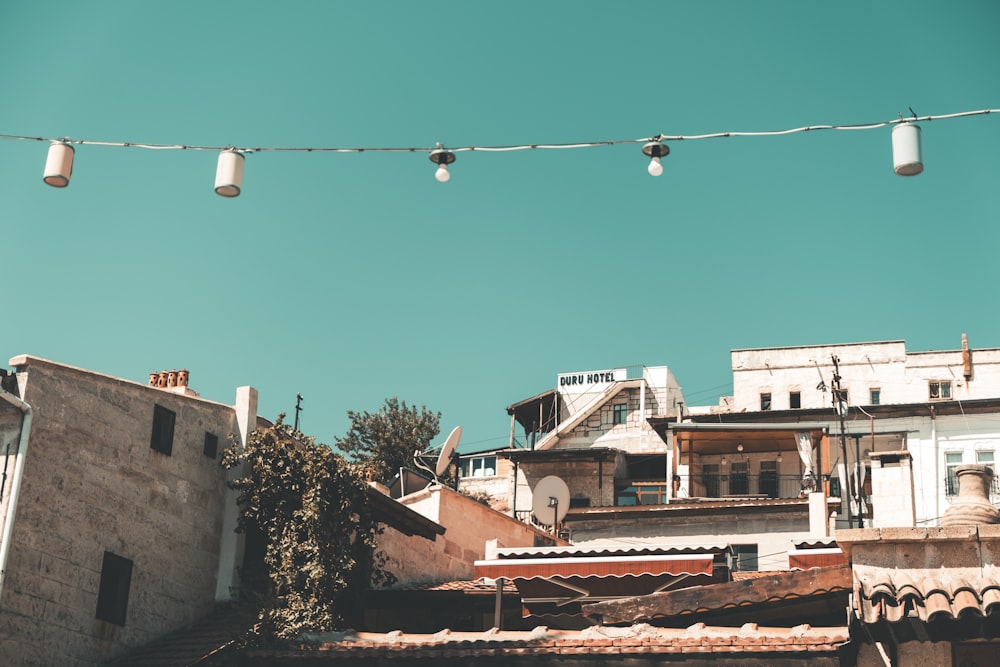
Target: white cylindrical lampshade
x=906 y=158
x=229 y=174
x=58 y=165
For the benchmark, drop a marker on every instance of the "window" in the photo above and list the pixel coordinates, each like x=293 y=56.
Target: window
x=621 y=414
x=710 y=479
x=739 y=479
x=744 y=557
x=162 y=439
x=211 y=445
x=765 y=401
x=985 y=457
x=874 y=396
x=769 y=478
x=794 y=400
x=112 y=596
x=479 y=466
x=939 y=390
x=952 y=460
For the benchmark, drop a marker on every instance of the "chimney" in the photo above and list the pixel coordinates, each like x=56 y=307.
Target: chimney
x=154 y=378
x=182 y=377
x=966 y=358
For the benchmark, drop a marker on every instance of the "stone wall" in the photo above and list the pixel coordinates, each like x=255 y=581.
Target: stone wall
x=92 y=484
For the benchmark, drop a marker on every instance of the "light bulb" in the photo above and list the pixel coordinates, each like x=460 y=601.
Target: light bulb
x=654 y=168
x=442 y=174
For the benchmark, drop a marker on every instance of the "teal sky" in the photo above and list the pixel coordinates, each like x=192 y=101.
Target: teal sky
x=349 y=278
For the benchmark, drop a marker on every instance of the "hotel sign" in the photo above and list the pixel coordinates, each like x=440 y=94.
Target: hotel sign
x=589 y=380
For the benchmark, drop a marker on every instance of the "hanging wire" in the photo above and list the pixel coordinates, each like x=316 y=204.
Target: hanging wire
x=498 y=149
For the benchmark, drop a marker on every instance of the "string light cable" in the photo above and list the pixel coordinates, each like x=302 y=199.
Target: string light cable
x=907 y=159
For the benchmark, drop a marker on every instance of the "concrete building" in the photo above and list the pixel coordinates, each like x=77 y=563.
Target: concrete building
x=940 y=408
x=117 y=525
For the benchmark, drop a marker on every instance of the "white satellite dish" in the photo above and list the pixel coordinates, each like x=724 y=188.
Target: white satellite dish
x=447 y=449
x=550 y=500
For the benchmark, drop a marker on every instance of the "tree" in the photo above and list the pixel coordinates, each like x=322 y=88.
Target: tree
x=386 y=440
x=311 y=505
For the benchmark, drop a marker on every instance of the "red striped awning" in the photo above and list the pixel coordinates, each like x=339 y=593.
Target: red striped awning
x=804 y=559
x=610 y=566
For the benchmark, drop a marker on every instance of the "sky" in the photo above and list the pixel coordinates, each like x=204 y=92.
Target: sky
x=350 y=278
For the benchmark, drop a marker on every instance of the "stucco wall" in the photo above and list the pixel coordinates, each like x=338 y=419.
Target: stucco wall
x=901 y=377
x=93 y=484
x=451 y=557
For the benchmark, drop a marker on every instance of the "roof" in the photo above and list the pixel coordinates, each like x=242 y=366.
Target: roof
x=407 y=521
x=608 y=550
x=766 y=588
x=605 y=642
x=692 y=506
x=926 y=594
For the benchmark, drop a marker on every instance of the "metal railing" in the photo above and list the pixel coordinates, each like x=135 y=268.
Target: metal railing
x=766 y=485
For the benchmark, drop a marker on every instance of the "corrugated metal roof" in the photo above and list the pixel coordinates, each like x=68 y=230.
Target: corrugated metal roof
x=602 y=550
x=608 y=566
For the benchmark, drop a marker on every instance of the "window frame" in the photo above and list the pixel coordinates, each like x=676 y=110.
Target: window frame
x=473 y=463
x=939 y=390
x=794 y=400
x=766 y=401
x=619 y=414
x=875 y=396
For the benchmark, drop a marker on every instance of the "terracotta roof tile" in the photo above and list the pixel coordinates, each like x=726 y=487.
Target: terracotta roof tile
x=592 y=641
x=893 y=595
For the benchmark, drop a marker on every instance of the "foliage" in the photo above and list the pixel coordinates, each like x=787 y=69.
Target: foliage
x=311 y=505
x=386 y=440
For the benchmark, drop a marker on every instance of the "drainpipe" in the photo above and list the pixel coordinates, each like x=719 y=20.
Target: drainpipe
x=15 y=489
x=937 y=468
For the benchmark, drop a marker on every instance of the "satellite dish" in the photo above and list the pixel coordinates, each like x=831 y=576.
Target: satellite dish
x=447 y=449
x=550 y=500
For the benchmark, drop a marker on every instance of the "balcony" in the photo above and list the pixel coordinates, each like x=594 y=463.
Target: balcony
x=714 y=486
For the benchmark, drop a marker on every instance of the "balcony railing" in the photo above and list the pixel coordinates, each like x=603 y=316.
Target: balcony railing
x=766 y=485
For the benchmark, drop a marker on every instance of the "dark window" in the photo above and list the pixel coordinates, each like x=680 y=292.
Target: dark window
x=745 y=557
x=112 y=597
x=874 y=396
x=211 y=445
x=621 y=413
x=765 y=401
x=163 y=430
x=739 y=479
x=710 y=479
x=794 y=400
x=769 y=478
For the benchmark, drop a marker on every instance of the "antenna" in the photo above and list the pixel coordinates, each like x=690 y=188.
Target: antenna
x=550 y=501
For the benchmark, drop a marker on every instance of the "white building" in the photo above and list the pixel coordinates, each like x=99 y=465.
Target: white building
x=940 y=407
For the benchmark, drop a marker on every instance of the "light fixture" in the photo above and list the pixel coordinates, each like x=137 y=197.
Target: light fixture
x=229 y=173
x=739 y=447
x=442 y=158
x=58 y=164
x=906 y=159
x=779 y=457
x=723 y=461
x=655 y=150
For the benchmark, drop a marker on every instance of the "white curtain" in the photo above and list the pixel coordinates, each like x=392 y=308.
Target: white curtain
x=805 y=444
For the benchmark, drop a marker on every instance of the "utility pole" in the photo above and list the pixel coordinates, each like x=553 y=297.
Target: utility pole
x=298 y=409
x=840 y=405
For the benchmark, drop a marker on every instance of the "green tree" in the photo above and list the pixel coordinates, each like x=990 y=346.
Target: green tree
x=386 y=440
x=311 y=505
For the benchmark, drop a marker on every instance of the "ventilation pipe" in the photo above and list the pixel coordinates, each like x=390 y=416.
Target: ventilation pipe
x=15 y=489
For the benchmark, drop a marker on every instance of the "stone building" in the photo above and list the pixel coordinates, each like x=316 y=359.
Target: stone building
x=117 y=522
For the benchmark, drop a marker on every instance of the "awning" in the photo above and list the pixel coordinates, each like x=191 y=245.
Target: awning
x=560 y=585
x=723 y=438
x=613 y=566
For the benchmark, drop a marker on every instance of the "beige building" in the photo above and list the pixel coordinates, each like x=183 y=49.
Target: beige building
x=117 y=525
